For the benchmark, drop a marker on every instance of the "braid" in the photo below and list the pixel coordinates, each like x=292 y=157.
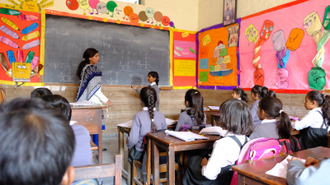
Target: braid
x=151 y=106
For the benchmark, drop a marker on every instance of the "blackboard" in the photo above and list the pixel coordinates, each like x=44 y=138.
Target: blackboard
x=127 y=53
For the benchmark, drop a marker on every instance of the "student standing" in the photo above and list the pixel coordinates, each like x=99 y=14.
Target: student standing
x=275 y=122
x=237 y=120
x=90 y=79
x=314 y=126
x=153 y=79
x=194 y=112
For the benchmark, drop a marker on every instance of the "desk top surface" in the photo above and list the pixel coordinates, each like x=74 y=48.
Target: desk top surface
x=170 y=140
x=257 y=169
x=88 y=107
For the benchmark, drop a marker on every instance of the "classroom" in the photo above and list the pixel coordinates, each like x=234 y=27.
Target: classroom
x=212 y=46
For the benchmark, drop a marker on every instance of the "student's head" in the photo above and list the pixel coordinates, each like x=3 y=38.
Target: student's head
x=194 y=103
x=236 y=117
x=37 y=144
x=272 y=108
x=40 y=92
x=272 y=93
x=91 y=57
x=238 y=93
x=316 y=99
x=258 y=92
x=153 y=77
x=59 y=103
x=148 y=98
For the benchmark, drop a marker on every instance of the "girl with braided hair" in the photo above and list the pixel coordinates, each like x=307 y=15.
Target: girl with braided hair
x=149 y=119
x=194 y=112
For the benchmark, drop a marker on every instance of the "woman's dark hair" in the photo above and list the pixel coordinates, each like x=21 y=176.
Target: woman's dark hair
x=59 y=103
x=260 y=91
x=148 y=96
x=89 y=53
x=272 y=93
x=241 y=93
x=40 y=92
x=195 y=104
x=322 y=101
x=236 y=117
x=273 y=108
x=155 y=75
x=37 y=143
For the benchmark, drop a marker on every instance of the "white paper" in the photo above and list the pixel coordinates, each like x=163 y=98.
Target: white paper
x=214 y=107
x=82 y=103
x=185 y=135
x=170 y=121
x=281 y=169
x=73 y=122
x=214 y=130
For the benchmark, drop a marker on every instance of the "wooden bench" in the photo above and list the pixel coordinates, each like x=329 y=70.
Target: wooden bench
x=93 y=146
x=100 y=171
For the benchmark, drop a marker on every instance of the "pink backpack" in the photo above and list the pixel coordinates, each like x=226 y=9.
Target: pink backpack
x=255 y=149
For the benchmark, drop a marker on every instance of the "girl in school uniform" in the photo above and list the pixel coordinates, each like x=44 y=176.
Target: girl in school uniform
x=257 y=93
x=194 y=112
x=275 y=123
x=90 y=79
x=149 y=119
x=238 y=93
x=153 y=79
x=314 y=126
x=236 y=118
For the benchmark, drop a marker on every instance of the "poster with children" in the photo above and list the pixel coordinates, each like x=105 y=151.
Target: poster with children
x=217 y=59
x=20 y=47
x=290 y=51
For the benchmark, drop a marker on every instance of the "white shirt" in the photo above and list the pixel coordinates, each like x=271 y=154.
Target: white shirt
x=225 y=152
x=153 y=83
x=98 y=98
x=268 y=121
x=313 y=119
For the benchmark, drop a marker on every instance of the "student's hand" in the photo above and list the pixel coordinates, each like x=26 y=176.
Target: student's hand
x=109 y=103
x=310 y=161
x=134 y=87
x=204 y=162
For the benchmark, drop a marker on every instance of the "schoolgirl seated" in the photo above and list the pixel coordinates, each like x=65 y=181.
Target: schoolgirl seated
x=194 y=112
x=238 y=93
x=315 y=125
x=236 y=118
x=275 y=123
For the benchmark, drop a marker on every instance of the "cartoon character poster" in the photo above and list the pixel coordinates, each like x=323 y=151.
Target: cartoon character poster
x=20 y=46
x=287 y=57
x=217 y=59
x=184 y=59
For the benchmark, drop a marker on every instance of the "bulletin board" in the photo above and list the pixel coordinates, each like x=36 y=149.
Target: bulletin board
x=218 y=62
x=20 y=36
x=291 y=37
x=183 y=59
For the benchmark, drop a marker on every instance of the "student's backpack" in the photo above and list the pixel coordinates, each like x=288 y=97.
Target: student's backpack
x=290 y=146
x=255 y=149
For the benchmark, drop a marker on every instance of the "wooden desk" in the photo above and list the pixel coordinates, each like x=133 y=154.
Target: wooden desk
x=91 y=118
x=255 y=172
x=209 y=114
x=214 y=119
x=171 y=145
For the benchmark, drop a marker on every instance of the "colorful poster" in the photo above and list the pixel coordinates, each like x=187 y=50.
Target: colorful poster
x=20 y=47
x=296 y=28
x=217 y=60
x=183 y=59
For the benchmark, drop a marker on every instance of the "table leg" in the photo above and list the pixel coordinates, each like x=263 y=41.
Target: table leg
x=155 y=168
x=170 y=166
x=100 y=147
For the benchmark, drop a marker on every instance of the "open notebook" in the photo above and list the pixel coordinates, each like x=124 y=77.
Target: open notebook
x=185 y=136
x=215 y=130
x=128 y=124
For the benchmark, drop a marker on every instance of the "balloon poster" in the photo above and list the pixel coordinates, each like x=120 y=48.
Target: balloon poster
x=183 y=59
x=217 y=57
x=286 y=43
x=20 y=47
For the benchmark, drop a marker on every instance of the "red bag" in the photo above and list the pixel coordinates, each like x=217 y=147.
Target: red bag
x=290 y=146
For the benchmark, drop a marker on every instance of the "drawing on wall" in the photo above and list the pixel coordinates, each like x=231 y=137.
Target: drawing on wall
x=31 y=5
x=229 y=12
x=313 y=26
x=20 y=39
x=149 y=15
x=232 y=36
